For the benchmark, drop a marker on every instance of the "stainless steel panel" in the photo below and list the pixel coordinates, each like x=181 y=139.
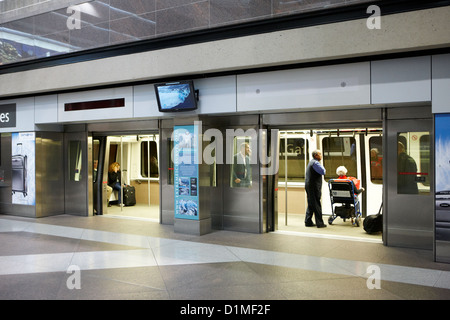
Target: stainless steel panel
x=49 y=174
x=241 y=205
x=76 y=173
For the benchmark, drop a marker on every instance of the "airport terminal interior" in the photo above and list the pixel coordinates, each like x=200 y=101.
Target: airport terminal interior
x=172 y=150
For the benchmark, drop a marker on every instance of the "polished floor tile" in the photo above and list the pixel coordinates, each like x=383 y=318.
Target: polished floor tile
x=124 y=259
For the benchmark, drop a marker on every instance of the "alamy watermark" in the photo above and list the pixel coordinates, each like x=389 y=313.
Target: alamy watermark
x=374 y=21
x=74 y=280
x=253 y=145
x=74 y=20
x=374 y=280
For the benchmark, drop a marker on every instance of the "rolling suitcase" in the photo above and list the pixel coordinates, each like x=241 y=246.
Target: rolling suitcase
x=129 y=196
x=19 y=174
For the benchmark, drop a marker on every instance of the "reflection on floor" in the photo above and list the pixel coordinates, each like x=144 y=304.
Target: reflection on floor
x=135 y=259
x=139 y=211
x=295 y=224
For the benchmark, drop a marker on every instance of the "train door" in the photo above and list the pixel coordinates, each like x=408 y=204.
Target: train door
x=138 y=156
x=239 y=179
x=410 y=184
x=351 y=148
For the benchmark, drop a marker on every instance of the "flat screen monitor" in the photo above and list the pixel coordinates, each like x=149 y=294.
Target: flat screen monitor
x=176 y=96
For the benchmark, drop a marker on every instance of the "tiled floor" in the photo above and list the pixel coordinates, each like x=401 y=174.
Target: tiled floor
x=134 y=259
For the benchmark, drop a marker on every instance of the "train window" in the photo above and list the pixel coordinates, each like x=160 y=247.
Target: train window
x=241 y=170
x=339 y=151
x=413 y=163
x=153 y=154
x=376 y=160
x=295 y=157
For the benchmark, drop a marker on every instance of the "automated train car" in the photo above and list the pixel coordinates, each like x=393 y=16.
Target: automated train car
x=360 y=150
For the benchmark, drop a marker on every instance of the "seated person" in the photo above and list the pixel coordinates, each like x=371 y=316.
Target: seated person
x=342 y=173
x=115 y=179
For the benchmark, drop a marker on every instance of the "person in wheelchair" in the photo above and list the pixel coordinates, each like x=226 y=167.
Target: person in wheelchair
x=342 y=173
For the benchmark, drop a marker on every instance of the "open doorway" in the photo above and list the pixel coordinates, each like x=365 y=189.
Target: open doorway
x=138 y=158
x=359 y=150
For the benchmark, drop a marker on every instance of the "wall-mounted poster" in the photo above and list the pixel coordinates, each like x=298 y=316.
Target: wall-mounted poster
x=442 y=136
x=23 y=168
x=185 y=155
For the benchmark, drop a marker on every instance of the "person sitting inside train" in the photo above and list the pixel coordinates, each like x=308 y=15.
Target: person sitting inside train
x=115 y=179
x=342 y=173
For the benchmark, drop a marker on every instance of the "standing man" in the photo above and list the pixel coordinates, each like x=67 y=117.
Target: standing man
x=313 y=186
x=406 y=172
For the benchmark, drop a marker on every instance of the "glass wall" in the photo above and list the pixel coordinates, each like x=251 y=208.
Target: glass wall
x=32 y=29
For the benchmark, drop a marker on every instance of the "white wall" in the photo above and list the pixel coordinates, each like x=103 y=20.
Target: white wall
x=338 y=85
x=441 y=83
x=216 y=95
x=385 y=82
x=401 y=80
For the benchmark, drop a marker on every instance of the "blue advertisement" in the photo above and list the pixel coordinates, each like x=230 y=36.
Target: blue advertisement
x=442 y=136
x=185 y=155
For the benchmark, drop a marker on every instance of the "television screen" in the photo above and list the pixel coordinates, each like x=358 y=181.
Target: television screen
x=176 y=96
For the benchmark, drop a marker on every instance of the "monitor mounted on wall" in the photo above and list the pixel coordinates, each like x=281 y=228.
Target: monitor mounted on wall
x=176 y=96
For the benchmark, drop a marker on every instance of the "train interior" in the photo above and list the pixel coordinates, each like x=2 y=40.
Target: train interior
x=359 y=150
x=138 y=157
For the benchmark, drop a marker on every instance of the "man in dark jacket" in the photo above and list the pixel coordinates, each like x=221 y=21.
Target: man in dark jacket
x=407 y=172
x=313 y=186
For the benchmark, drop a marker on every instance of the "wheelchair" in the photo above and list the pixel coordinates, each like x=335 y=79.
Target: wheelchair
x=344 y=201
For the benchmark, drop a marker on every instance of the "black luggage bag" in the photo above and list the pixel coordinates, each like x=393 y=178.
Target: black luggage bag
x=374 y=223
x=129 y=196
